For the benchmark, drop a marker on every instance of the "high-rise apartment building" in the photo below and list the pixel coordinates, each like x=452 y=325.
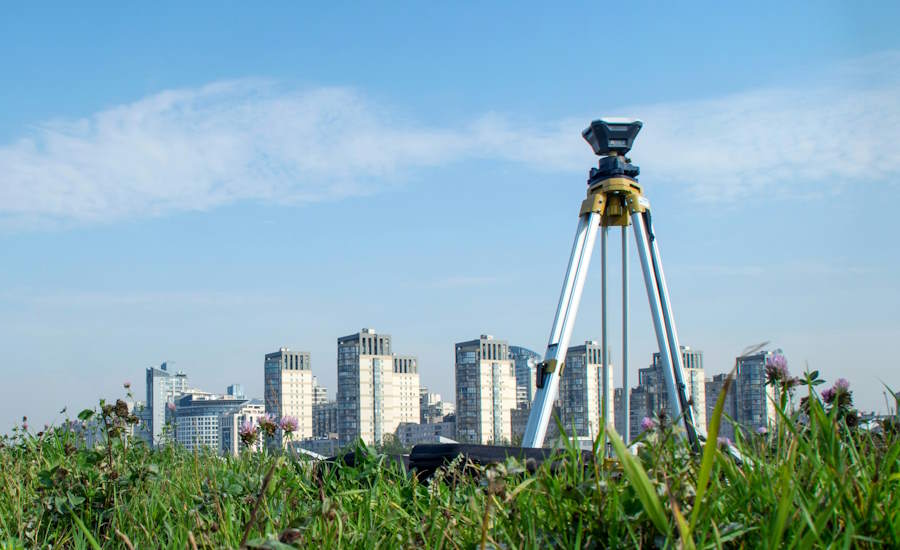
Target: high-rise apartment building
x=581 y=391
x=754 y=400
x=406 y=379
x=485 y=390
x=647 y=399
x=694 y=381
x=376 y=390
x=651 y=396
x=163 y=386
x=526 y=362
x=750 y=401
x=714 y=387
x=288 y=389
x=619 y=407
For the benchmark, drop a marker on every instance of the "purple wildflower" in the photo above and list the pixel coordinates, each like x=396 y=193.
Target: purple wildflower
x=289 y=424
x=841 y=384
x=828 y=395
x=776 y=368
x=646 y=423
x=762 y=430
x=247 y=432
x=25 y=426
x=267 y=424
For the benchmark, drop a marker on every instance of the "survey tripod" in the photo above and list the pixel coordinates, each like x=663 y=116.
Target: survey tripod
x=614 y=199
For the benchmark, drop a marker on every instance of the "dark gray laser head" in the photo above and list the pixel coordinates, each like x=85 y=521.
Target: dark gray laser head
x=612 y=135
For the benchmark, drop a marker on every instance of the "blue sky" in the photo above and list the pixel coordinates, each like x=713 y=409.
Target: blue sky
x=203 y=184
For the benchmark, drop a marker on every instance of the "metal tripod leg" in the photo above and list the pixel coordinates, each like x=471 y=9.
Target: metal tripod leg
x=674 y=345
x=604 y=362
x=561 y=333
x=664 y=325
x=625 y=405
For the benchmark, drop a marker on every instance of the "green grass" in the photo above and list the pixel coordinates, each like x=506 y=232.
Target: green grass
x=812 y=482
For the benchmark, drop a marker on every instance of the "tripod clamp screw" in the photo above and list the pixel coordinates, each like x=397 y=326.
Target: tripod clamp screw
x=544 y=368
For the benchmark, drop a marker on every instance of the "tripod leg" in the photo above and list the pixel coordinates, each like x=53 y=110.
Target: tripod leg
x=648 y=267
x=604 y=363
x=625 y=408
x=561 y=333
x=674 y=345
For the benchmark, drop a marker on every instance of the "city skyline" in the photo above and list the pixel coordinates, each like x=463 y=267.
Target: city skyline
x=174 y=190
x=487 y=388
x=329 y=392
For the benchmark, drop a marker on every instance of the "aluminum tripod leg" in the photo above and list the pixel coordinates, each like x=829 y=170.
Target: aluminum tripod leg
x=625 y=405
x=604 y=363
x=561 y=333
x=664 y=325
x=674 y=345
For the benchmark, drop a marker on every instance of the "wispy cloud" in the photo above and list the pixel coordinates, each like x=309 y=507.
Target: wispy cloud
x=143 y=299
x=464 y=281
x=797 y=268
x=788 y=141
x=196 y=149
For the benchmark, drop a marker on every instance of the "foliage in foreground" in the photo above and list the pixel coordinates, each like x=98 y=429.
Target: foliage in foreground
x=815 y=481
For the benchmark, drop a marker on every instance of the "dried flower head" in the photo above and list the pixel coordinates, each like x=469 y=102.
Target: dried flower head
x=267 y=424
x=647 y=423
x=828 y=395
x=841 y=384
x=171 y=406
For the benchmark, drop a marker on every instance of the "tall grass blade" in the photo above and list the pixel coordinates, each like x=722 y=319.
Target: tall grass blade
x=84 y=530
x=644 y=488
x=709 y=450
x=787 y=497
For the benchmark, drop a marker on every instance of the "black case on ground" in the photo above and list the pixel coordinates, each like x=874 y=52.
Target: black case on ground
x=427 y=458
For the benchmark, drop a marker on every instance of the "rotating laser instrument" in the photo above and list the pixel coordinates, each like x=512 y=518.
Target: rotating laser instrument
x=614 y=199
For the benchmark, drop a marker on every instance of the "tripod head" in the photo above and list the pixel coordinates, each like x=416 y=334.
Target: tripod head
x=610 y=139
